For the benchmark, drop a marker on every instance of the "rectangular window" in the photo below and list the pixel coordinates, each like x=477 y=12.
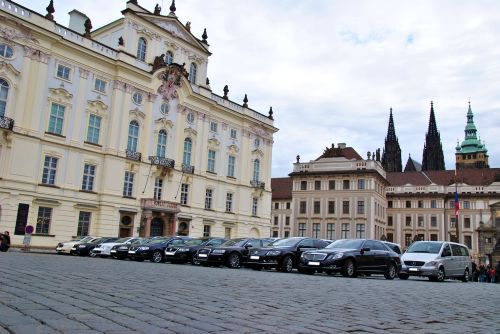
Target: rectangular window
x=407 y=240
x=230 y=165
x=434 y=237
x=346 y=184
x=184 y=194
x=420 y=204
x=390 y=237
x=345 y=207
x=206 y=230
x=452 y=204
x=433 y=204
x=88 y=177
x=255 y=206
x=43 y=220
x=63 y=72
x=468 y=241
x=361 y=207
x=229 y=202
x=158 y=188
x=434 y=221
x=227 y=233
x=408 y=221
x=345 y=231
x=331 y=207
x=420 y=221
x=287 y=221
x=361 y=184
x=317 y=185
x=360 y=231
x=330 y=231
x=94 y=129
x=316 y=230
x=276 y=218
x=56 y=119
x=100 y=85
x=303 y=185
x=128 y=184
x=389 y=221
x=288 y=205
x=389 y=204
x=287 y=234
x=467 y=222
x=466 y=204
x=331 y=184
x=233 y=134
x=275 y=234
x=49 y=170
x=302 y=229
x=317 y=207
x=213 y=127
x=408 y=204
x=211 y=161
x=452 y=222
x=276 y=206
x=83 y=223
x=303 y=207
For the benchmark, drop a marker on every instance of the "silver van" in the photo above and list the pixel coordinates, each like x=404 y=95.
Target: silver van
x=436 y=260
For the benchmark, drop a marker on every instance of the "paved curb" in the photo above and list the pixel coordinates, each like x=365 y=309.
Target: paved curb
x=33 y=251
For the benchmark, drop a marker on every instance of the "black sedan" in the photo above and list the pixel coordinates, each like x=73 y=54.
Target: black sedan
x=120 y=251
x=85 y=249
x=186 y=252
x=352 y=257
x=283 y=254
x=154 y=250
x=231 y=253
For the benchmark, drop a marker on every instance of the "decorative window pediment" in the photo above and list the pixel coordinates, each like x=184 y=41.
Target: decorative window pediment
x=190 y=132
x=257 y=152
x=7 y=69
x=213 y=143
x=60 y=95
x=164 y=123
x=233 y=149
x=97 y=106
x=136 y=113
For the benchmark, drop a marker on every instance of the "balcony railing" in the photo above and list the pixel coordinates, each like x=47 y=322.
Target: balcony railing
x=161 y=161
x=257 y=184
x=6 y=123
x=133 y=155
x=187 y=169
x=159 y=205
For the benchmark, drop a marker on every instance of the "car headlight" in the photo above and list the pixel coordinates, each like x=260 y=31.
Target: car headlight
x=431 y=264
x=273 y=253
x=218 y=251
x=143 y=248
x=336 y=256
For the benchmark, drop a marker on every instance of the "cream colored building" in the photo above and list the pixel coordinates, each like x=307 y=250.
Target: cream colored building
x=104 y=133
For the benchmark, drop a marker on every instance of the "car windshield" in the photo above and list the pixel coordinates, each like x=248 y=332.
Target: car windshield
x=157 y=241
x=286 y=242
x=425 y=247
x=121 y=241
x=194 y=242
x=85 y=239
x=234 y=242
x=346 y=244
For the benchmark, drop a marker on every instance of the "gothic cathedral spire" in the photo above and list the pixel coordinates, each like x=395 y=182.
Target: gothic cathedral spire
x=391 y=157
x=433 y=158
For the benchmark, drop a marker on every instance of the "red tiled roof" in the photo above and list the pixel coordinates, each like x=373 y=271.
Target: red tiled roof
x=472 y=176
x=281 y=188
x=346 y=152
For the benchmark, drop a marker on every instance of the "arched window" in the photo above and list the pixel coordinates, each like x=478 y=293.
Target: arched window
x=186 y=158
x=4 y=92
x=133 y=136
x=169 y=57
x=256 y=170
x=161 y=146
x=141 y=49
x=192 y=73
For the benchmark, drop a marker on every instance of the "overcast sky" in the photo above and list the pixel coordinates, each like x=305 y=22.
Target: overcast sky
x=332 y=69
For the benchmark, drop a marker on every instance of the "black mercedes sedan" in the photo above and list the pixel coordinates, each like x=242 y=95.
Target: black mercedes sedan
x=120 y=251
x=154 y=250
x=283 y=254
x=352 y=257
x=231 y=253
x=85 y=249
x=186 y=252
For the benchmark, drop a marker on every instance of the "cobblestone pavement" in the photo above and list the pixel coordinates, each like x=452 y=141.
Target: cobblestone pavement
x=42 y=293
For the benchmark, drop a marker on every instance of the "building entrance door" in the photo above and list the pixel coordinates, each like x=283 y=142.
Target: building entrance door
x=156 y=227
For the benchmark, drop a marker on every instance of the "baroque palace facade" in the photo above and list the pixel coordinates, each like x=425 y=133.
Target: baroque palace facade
x=104 y=133
x=341 y=195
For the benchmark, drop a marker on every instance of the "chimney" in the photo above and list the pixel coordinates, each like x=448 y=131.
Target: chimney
x=77 y=21
x=341 y=145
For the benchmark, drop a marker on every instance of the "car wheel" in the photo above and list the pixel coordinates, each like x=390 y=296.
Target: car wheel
x=92 y=254
x=391 y=272
x=439 y=277
x=287 y=264
x=466 y=277
x=157 y=257
x=233 y=261
x=349 y=269
x=195 y=261
x=403 y=276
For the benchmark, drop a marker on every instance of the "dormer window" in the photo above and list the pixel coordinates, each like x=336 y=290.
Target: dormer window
x=192 y=73
x=141 y=49
x=169 y=58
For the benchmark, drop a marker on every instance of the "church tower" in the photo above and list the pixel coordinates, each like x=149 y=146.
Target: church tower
x=433 y=158
x=472 y=153
x=391 y=156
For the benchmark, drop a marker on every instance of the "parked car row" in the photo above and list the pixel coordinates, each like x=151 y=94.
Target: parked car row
x=436 y=260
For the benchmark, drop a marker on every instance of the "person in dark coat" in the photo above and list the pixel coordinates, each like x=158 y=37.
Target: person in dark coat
x=4 y=241
x=474 y=272
x=497 y=272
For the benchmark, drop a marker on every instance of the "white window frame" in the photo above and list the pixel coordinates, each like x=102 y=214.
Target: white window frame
x=209 y=193
x=184 y=194
x=63 y=72
x=128 y=184
x=88 y=177
x=211 y=161
x=229 y=202
x=49 y=170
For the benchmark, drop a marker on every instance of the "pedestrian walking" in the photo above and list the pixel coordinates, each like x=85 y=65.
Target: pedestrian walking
x=482 y=273
x=492 y=275
x=474 y=272
x=4 y=241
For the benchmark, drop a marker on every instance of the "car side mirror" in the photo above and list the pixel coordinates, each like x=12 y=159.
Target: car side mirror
x=248 y=246
x=365 y=249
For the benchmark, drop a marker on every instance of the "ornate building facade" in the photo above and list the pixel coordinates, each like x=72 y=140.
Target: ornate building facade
x=104 y=133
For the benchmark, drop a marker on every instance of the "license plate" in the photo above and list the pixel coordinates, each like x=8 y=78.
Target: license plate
x=312 y=263
x=254 y=257
x=413 y=269
x=131 y=252
x=169 y=253
x=112 y=251
x=123 y=248
x=202 y=255
x=74 y=248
